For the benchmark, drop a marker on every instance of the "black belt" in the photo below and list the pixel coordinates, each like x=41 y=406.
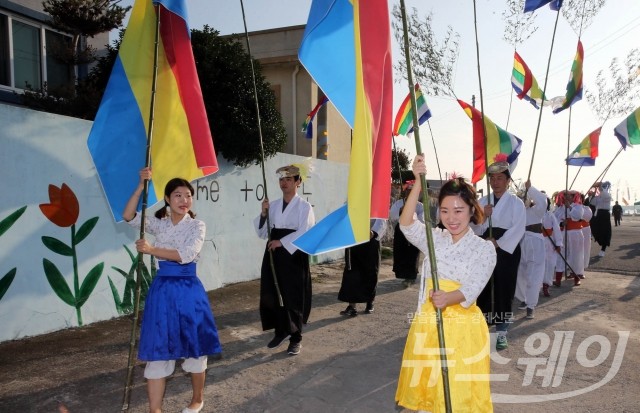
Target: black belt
x=537 y=228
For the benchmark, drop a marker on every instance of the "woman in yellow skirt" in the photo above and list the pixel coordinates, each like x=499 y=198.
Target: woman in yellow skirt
x=465 y=263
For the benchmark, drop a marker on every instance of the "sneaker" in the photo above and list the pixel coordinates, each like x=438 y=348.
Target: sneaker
x=530 y=313
x=501 y=342
x=522 y=306
x=545 y=290
x=277 y=340
x=369 y=309
x=294 y=348
x=581 y=276
x=350 y=311
x=601 y=254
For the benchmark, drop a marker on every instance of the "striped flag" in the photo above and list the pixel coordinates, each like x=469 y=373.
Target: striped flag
x=523 y=82
x=574 y=86
x=182 y=145
x=307 y=126
x=499 y=141
x=628 y=131
x=586 y=152
x=404 y=118
x=341 y=39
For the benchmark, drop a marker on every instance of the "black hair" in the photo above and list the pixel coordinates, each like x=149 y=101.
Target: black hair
x=459 y=187
x=168 y=189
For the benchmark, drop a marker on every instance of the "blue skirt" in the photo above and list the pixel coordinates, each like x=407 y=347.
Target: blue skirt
x=178 y=322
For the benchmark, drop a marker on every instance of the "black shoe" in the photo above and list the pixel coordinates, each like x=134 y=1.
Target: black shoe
x=294 y=348
x=277 y=340
x=369 y=309
x=350 y=311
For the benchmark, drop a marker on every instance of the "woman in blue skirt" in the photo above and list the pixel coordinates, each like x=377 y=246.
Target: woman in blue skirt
x=177 y=322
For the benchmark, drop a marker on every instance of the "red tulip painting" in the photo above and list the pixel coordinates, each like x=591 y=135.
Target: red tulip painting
x=63 y=210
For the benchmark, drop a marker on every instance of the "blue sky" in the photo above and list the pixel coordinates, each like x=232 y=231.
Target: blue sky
x=612 y=34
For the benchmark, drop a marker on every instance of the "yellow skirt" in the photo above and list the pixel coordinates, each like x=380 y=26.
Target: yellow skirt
x=467 y=342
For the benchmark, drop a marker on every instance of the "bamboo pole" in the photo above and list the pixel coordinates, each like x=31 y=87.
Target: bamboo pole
x=544 y=91
x=264 y=177
x=435 y=151
x=126 y=399
x=427 y=216
x=484 y=131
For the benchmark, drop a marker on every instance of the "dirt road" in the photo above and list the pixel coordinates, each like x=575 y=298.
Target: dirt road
x=580 y=353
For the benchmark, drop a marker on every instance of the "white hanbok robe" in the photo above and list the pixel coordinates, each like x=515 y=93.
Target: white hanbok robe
x=508 y=216
x=298 y=216
x=532 y=258
x=508 y=213
x=586 y=234
x=552 y=229
x=573 y=250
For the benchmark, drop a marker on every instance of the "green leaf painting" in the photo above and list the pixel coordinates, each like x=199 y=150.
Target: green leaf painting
x=5 y=224
x=6 y=281
x=57 y=246
x=58 y=283
x=85 y=230
x=125 y=305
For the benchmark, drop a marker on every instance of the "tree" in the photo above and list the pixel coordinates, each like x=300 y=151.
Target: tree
x=432 y=62
x=225 y=78
x=80 y=98
x=84 y=100
x=400 y=159
x=620 y=96
x=83 y=18
x=518 y=26
x=580 y=13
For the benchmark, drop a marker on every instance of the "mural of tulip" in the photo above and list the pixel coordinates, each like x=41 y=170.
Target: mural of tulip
x=5 y=224
x=63 y=210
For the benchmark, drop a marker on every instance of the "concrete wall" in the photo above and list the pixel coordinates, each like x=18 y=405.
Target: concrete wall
x=41 y=149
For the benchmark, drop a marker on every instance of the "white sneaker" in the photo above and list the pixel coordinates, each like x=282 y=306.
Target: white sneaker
x=601 y=254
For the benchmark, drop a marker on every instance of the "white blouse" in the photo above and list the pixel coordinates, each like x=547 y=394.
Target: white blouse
x=187 y=236
x=469 y=261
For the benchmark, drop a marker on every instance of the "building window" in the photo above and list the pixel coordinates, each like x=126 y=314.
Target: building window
x=5 y=61
x=29 y=56
x=59 y=73
x=26 y=56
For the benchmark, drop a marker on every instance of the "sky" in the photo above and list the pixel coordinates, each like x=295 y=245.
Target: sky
x=614 y=31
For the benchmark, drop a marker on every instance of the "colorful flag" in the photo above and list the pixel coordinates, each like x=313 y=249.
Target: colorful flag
x=574 y=86
x=628 y=131
x=586 y=152
x=181 y=145
x=341 y=39
x=531 y=5
x=523 y=82
x=307 y=126
x=404 y=118
x=498 y=141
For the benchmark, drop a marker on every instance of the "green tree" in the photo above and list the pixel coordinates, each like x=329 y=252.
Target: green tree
x=432 y=61
x=617 y=90
x=85 y=101
x=400 y=166
x=225 y=78
x=80 y=18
